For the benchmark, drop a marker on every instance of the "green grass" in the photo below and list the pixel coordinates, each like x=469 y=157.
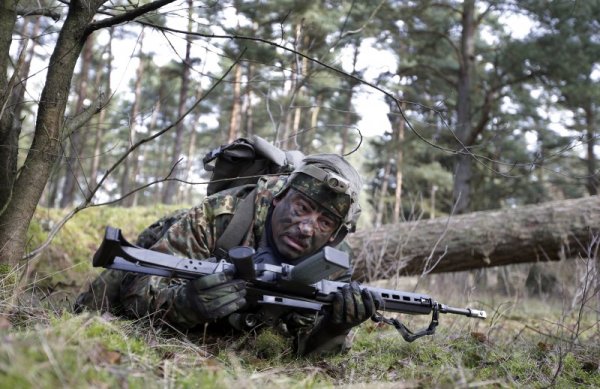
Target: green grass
x=44 y=348
x=526 y=342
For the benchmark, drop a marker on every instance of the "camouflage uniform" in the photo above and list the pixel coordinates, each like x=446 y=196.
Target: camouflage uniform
x=194 y=235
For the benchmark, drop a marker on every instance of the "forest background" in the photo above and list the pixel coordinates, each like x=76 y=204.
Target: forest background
x=446 y=107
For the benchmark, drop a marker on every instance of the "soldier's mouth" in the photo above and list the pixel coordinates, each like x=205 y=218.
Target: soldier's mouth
x=293 y=243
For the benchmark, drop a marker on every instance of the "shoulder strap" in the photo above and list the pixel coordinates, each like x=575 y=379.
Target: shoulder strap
x=237 y=227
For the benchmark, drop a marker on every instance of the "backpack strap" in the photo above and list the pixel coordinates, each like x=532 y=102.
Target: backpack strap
x=237 y=227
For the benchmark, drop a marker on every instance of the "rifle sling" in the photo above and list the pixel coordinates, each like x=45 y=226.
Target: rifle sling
x=238 y=226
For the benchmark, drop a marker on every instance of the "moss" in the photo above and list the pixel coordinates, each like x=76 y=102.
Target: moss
x=67 y=261
x=575 y=372
x=269 y=344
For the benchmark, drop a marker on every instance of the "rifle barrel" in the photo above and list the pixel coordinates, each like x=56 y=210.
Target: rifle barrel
x=476 y=313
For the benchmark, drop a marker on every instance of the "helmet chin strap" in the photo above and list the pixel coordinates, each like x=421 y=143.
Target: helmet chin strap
x=339 y=235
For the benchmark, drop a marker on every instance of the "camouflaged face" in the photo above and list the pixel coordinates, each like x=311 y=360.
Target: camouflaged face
x=318 y=191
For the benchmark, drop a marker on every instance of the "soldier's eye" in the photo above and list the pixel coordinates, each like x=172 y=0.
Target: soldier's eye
x=327 y=224
x=302 y=207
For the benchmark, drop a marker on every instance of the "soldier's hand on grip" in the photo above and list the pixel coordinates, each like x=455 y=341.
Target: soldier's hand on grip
x=214 y=296
x=351 y=306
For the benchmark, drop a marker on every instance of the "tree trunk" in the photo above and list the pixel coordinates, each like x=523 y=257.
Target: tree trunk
x=381 y=199
x=76 y=139
x=547 y=232
x=349 y=115
x=95 y=165
x=249 y=111
x=592 y=179
x=9 y=137
x=399 y=144
x=463 y=165
x=191 y=159
x=236 y=107
x=169 y=195
x=130 y=165
x=9 y=134
x=348 y=119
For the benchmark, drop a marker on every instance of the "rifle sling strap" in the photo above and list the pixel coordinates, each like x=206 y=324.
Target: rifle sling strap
x=237 y=227
x=406 y=333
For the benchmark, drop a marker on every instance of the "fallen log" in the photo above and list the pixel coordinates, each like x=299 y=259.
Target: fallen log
x=549 y=231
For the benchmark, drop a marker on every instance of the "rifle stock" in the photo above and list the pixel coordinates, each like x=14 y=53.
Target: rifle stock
x=301 y=287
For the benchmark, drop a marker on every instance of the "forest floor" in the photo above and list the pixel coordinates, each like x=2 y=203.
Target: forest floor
x=537 y=341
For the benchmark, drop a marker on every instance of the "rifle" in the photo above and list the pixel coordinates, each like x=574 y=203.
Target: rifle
x=274 y=290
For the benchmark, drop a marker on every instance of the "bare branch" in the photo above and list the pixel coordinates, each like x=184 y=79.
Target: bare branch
x=75 y=122
x=49 y=12
x=147 y=185
x=127 y=16
x=369 y=19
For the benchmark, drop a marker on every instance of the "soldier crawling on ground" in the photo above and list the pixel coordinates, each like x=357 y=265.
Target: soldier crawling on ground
x=294 y=217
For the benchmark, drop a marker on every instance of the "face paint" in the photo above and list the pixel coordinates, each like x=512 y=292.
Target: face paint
x=300 y=226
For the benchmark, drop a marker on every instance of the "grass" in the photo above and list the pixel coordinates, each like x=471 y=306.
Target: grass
x=90 y=350
x=527 y=342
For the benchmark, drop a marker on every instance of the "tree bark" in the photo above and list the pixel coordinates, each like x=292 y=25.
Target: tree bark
x=249 y=111
x=547 y=232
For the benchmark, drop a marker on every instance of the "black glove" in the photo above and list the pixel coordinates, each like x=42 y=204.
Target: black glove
x=351 y=306
x=212 y=297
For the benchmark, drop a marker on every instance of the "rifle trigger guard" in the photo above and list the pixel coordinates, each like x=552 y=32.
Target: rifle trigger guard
x=406 y=333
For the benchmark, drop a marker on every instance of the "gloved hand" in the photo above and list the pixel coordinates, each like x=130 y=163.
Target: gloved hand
x=211 y=297
x=328 y=335
x=351 y=306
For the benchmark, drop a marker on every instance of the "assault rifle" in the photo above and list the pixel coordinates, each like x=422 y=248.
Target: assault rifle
x=274 y=290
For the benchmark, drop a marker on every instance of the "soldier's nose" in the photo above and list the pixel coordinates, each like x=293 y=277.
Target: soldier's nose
x=306 y=227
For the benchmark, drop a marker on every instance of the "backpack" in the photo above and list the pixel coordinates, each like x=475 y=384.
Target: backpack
x=241 y=162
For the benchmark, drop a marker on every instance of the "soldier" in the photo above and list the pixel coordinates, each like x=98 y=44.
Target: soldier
x=293 y=217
